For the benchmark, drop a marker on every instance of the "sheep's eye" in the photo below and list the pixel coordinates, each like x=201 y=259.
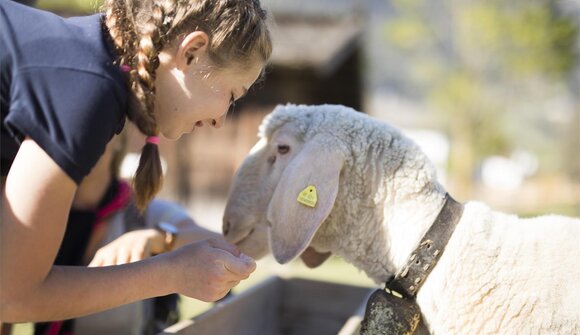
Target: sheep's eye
x=271 y=159
x=283 y=149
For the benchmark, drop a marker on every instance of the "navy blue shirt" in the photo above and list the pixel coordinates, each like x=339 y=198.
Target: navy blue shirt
x=59 y=86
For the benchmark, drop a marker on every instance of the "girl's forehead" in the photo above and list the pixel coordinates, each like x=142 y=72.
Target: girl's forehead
x=254 y=66
x=245 y=76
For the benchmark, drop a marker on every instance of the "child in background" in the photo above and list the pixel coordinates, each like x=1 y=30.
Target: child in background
x=105 y=228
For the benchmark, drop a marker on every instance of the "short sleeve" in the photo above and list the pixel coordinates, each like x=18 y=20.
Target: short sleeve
x=71 y=114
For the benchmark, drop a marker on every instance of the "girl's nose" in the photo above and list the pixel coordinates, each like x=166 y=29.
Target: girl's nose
x=217 y=123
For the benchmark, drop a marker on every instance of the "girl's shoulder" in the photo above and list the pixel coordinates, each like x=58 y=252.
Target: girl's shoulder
x=65 y=90
x=37 y=39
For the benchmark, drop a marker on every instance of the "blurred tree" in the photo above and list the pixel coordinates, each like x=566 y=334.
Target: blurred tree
x=572 y=145
x=478 y=62
x=70 y=7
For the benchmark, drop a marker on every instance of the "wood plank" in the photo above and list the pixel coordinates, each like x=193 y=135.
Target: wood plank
x=352 y=325
x=280 y=306
x=318 y=308
x=322 y=298
x=254 y=311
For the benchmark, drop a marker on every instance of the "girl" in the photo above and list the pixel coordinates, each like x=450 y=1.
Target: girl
x=66 y=87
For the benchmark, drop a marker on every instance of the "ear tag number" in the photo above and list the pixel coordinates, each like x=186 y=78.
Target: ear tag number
x=308 y=196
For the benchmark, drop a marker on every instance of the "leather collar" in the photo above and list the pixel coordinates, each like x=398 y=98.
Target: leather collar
x=423 y=259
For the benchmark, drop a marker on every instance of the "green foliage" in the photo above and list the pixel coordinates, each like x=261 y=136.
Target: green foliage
x=528 y=37
x=408 y=33
x=74 y=7
x=478 y=61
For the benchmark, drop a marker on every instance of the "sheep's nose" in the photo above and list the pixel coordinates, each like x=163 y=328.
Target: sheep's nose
x=226 y=226
x=218 y=123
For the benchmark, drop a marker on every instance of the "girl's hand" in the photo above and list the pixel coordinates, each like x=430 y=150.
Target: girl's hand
x=209 y=269
x=128 y=248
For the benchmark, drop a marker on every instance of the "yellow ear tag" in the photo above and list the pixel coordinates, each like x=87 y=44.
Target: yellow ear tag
x=308 y=196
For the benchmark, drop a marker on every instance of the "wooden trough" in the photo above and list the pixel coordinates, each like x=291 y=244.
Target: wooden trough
x=280 y=306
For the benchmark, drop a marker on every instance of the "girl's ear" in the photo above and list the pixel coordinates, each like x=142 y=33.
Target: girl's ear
x=193 y=46
x=313 y=177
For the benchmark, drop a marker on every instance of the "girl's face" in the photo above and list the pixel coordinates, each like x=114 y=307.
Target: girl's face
x=190 y=93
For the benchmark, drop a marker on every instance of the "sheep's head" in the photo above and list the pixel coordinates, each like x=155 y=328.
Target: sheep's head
x=263 y=206
x=366 y=175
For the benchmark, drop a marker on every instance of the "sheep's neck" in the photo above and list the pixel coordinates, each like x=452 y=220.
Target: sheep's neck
x=406 y=221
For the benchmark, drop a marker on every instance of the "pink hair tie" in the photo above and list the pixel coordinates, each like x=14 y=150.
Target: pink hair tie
x=125 y=68
x=152 y=140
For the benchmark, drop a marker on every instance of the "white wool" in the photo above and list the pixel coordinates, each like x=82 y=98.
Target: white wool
x=499 y=274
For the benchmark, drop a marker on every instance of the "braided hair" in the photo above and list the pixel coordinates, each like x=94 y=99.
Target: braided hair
x=141 y=29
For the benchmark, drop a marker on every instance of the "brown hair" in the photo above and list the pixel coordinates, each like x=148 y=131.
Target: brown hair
x=141 y=29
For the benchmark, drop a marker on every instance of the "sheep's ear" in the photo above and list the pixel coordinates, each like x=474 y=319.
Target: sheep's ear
x=316 y=168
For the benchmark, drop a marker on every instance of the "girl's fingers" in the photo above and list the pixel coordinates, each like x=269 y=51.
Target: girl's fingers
x=241 y=266
x=222 y=294
x=123 y=256
x=232 y=284
x=222 y=244
x=108 y=262
x=96 y=261
x=137 y=255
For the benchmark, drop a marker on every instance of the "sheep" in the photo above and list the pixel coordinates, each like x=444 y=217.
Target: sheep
x=377 y=194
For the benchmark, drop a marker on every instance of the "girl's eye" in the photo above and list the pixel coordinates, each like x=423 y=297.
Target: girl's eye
x=283 y=149
x=232 y=104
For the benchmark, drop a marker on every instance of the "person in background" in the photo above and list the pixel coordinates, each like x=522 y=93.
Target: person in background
x=66 y=88
x=105 y=228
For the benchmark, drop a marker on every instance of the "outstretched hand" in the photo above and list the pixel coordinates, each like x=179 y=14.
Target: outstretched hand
x=128 y=248
x=209 y=269
x=206 y=270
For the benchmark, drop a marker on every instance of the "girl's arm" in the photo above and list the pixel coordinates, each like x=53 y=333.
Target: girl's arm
x=140 y=244
x=172 y=213
x=35 y=203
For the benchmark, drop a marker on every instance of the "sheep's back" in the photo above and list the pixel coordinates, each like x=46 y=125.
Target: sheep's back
x=503 y=274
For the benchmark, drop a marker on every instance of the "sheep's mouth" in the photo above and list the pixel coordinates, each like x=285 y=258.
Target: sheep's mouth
x=254 y=243
x=313 y=258
x=244 y=238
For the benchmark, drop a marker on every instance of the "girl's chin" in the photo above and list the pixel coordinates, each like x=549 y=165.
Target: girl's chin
x=175 y=134
x=172 y=136
x=190 y=130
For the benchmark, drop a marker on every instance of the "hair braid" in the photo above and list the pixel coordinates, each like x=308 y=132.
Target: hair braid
x=146 y=61
x=138 y=47
x=149 y=175
x=121 y=27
